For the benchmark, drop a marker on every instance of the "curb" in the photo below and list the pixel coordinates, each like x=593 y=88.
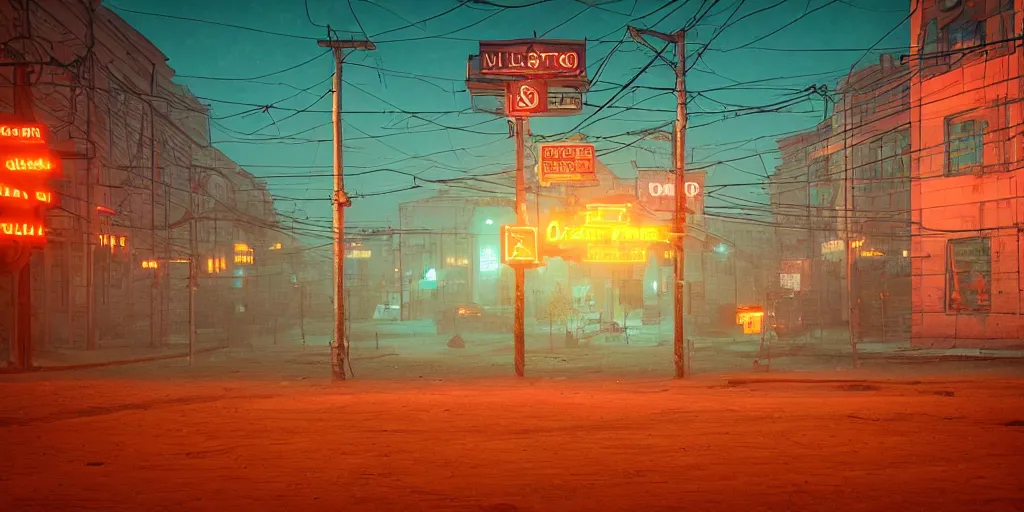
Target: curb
x=123 y=362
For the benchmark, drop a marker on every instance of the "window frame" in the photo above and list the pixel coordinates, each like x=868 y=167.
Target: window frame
x=971 y=116
x=950 y=276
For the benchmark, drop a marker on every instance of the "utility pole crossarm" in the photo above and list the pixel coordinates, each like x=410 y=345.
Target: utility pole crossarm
x=341 y=45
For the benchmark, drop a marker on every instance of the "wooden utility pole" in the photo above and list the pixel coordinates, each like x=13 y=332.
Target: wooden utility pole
x=193 y=267
x=848 y=238
x=519 y=324
x=339 y=201
x=680 y=355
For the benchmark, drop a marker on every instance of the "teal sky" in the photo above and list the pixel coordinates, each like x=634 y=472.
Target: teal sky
x=761 y=58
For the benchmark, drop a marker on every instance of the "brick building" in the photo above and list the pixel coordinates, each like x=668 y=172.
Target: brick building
x=967 y=173
x=137 y=163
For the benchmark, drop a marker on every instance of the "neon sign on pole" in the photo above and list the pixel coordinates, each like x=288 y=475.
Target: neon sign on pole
x=519 y=245
x=525 y=98
x=21 y=229
x=533 y=58
x=606 y=235
x=560 y=163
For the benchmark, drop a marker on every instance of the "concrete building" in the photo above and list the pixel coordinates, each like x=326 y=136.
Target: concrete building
x=138 y=167
x=739 y=266
x=967 y=173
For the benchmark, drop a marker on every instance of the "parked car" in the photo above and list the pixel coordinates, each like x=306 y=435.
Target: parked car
x=471 y=317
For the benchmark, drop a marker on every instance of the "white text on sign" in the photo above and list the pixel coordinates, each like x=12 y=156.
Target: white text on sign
x=669 y=189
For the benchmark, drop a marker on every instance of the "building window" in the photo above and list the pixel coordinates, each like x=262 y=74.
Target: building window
x=965 y=35
x=965 y=145
x=968 y=275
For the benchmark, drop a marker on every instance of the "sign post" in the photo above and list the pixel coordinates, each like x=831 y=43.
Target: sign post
x=525 y=69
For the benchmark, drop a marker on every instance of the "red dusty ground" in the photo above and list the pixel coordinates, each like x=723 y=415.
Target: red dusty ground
x=218 y=445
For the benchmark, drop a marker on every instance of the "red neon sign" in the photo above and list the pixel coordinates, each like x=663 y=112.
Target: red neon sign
x=35 y=164
x=533 y=58
x=19 y=229
x=22 y=133
x=559 y=163
x=18 y=194
x=525 y=98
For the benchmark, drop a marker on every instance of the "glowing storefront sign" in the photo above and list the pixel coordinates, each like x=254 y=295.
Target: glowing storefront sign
x=29 y=164
x=32 y=133
x=533 y=58
x=18 y=229
x=24 y=195
x=150 y=264
x=243 y=255
x=519 y=245
x=358 y=254
x=606 y=235
x=751 y=318
x=615 y=254
x=560 y=163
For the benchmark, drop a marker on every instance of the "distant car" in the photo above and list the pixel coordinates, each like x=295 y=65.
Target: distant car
x=470 y=317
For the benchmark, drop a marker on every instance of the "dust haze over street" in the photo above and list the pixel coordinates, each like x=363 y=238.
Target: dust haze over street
x=512 y=255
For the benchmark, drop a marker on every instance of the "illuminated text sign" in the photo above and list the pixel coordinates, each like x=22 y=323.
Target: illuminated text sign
x=656 y=190
x=40 y=196
x=692 y=188
x=615 y=254
x=358 y=254
x=525 y=98
x=519 y=245
x=150 y=264
x=606 y=235
x=561 y=163
x=837 y=245
x=243 y=255
x=533 y=58
x=39 y=164
x=19 y=229
x=32 y=133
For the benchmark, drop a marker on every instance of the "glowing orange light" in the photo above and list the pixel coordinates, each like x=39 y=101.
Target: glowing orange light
x=24 y=133
x=358 y=254
x=565 y=162
x=519 y=245
x=872 y=253
x=32 y=164
x=241 y=247
x=209 y=265
x=223 y=264
x=615 y=254
x=150 y=264
x=22 y=229
x=24 y=195
x=103 y=210
x=751 y=318
x=275 y=247
x=178 y=260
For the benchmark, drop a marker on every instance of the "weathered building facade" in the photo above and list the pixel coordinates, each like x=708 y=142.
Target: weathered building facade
x=967 y=169
x=140 y=179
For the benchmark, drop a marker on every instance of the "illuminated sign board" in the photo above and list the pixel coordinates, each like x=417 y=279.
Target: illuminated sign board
x=23 y=133
x=560 y=163
x=656 y=190
x=606 y=235
x=150 y=264
x=833 y=246
x=615 y=254
x=243 y=255
x=26 y=164
x=525 y=98
x=519 y=245
x=26 y=196
x=533 y=57
x=30 y=163
x=10 y=228
x=358 y=254
x=216 y=265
